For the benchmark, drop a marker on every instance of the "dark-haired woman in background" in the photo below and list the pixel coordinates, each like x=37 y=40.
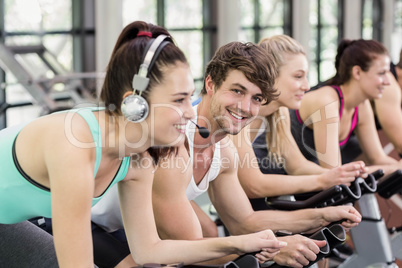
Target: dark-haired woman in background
x=329 y=114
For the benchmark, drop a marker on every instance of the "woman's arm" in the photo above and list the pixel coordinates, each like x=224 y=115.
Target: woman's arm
x=389 y=112
x=368 y=137
x=315 y=178
x=326 y=133
x=258 y=185
x=295 y=162
x=71 y=174
x=145 y=244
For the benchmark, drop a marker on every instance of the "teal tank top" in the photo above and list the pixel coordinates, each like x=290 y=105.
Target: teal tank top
x=21 y=198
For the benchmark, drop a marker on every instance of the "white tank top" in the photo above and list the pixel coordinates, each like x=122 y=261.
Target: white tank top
x=106 y=213
x=193 y=190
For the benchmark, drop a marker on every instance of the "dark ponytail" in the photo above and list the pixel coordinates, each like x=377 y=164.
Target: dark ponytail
x=354 y=53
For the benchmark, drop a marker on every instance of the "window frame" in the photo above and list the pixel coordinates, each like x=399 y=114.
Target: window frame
x=81 y=32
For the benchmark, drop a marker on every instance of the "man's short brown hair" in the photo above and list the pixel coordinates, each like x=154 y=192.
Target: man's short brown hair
x=257 y=66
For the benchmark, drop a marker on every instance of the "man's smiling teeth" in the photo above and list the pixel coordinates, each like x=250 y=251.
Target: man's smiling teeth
x=180 y=126
x=236 y=116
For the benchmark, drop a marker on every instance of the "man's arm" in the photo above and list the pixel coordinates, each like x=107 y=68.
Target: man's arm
x=236 y=212
x=174 y=215
x=209 y=227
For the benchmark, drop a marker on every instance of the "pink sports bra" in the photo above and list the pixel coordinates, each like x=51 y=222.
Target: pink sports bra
x=354 y=118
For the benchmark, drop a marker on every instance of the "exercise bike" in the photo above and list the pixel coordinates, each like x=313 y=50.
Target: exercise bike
x=334 y=234
x=375 y=245
x=386 y=245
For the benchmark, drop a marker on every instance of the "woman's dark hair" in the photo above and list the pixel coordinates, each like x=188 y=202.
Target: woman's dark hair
x=355 y=53
x=126 y=59
x=125 y=62
x=257 y=66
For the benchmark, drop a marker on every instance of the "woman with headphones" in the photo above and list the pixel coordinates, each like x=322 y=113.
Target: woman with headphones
x=59 y=165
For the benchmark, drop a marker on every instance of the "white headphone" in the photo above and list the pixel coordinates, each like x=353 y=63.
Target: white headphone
x=134 y=107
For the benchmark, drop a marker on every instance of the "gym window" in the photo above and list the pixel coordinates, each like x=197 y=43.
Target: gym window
x=326 y=24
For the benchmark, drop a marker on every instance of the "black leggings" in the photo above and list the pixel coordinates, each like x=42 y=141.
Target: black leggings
x=109 y=248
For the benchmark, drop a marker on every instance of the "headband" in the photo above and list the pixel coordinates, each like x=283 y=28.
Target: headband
x=144 y=33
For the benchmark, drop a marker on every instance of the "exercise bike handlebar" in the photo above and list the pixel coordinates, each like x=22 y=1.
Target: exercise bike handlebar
x=390 y=185
x=308 y=203
x=334 y=235
x=378 y=174
x=336 y=195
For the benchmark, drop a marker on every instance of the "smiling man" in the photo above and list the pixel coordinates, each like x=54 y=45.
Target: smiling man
x=232 y=95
